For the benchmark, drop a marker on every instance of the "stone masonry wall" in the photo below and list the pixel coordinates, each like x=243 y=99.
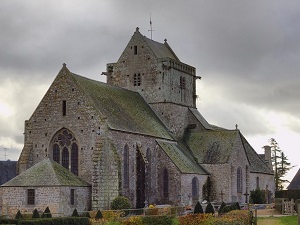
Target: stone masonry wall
x=186 y=188
x=56 y=198
x=81 y=119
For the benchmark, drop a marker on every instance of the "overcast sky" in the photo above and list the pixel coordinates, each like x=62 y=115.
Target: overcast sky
x=247 y=53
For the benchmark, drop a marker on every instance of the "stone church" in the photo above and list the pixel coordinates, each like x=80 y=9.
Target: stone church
x=140 y=135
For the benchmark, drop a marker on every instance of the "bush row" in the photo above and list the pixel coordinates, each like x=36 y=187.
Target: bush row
x=240 y=217
x=49 y=221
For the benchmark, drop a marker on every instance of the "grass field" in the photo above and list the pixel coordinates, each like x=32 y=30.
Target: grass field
x=283 y=220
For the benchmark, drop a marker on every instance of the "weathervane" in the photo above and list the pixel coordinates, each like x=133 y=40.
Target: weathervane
x=151 y=30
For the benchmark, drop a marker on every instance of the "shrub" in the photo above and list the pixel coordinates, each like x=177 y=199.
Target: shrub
x=86 y=214
x=99 y=215
x=56 y=221
x=198 y=208
x=151 y=211
x=210 y=209
x=8 y=221
x=257 y=196
x=235 y=206
x=161 y=220
x=226 y=209
x=220 y=211
x=120 y=202
x=238 y=217
x=35 y=214
x=18 y=215
x=133 y=220
x=195 y=219
x=47 y=213
x=75 y=213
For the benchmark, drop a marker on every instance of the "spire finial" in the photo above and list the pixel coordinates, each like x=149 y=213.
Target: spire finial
x=64 y=65
x=137 y=29
x=165 y=40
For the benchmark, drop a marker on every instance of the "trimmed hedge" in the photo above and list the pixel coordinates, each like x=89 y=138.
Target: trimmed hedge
x=56 y=221
x=8 y=221
x=161 y=220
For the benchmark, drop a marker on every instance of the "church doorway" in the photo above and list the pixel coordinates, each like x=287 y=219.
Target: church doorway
x=140 y=180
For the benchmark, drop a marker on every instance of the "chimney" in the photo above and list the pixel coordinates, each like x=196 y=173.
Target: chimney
x=268 y=160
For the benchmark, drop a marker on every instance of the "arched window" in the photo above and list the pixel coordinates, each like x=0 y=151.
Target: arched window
x=239 y=180
x=65 y=158
x=74 y=159
x=257 y=182
x=195 y=187
x=56 y=153
x=166 y=184
x=126 y=166
x=65 y=148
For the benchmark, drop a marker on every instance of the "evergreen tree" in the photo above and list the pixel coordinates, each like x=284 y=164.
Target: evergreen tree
x=221 y=208
x=198 y=208
x=19 y=215
x=35 y=214
x=98 y=215
x=210 y=208
x=75 y=213
x=47 y=213
x=280 y=164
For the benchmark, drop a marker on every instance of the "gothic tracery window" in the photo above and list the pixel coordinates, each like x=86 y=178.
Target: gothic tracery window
x=239 y=180
x=65 y=150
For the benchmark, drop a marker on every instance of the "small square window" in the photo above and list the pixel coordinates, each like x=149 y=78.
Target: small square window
x=30 y=196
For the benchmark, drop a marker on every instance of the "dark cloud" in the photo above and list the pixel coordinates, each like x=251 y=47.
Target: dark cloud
x=247 y=52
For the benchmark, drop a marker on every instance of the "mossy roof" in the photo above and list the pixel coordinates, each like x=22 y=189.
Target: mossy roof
x=217 y=146
x=200 y=118
x=125 y=110
x=181 y=158
x=212 y=146
x=257 y=164
x=46 y=173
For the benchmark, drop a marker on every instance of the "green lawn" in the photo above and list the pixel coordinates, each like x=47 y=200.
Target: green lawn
x=283 y=220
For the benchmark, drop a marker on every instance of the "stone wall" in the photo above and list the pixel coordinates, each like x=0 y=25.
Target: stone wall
x=47 y=120
x=186 y=189
x=56 y=198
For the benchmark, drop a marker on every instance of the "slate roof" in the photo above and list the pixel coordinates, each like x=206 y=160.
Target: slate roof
x=7 y=171
x=46 y=173
x=200 y=118
x=184 y=161
x=217 y=146
x=295 y=183
x=212 y=146
x=161 y=50
x=257 y=164
x=125 y=110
